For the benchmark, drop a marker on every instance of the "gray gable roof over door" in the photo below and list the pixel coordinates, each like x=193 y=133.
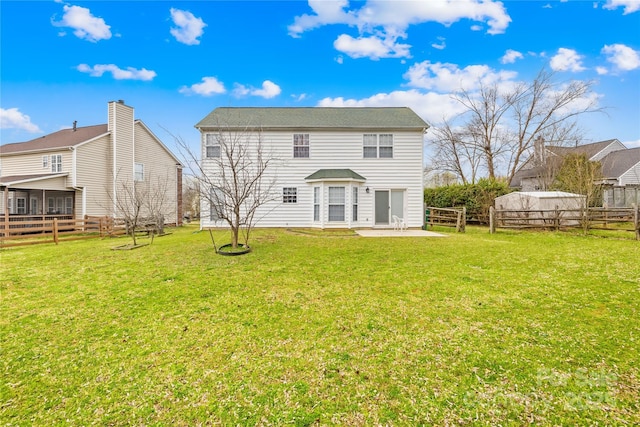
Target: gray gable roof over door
x=314 y=118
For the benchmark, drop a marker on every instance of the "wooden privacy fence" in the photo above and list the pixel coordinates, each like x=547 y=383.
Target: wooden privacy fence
x=18 y=231
x=556 y=219
x=449 y=217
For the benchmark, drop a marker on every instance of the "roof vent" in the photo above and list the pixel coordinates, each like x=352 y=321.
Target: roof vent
x=75 y=125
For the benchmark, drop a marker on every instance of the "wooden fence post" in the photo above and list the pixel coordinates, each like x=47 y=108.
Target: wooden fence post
x=492 y=219
x=464 y=219
x=636 y=220
x=55 y=230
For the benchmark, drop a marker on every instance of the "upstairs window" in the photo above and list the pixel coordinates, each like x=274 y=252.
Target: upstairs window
x=212 y=146
x=56 y=163
x=301 y=145
x=45 y=162
x=385 y=146
x=377 y=146
x=370 y=147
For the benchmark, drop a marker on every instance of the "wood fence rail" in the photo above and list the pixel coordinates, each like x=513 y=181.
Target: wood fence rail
x=557 y=219
x=20 y=231
x=449 y=217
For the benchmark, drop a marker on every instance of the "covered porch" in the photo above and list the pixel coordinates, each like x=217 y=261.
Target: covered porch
x=36 y=198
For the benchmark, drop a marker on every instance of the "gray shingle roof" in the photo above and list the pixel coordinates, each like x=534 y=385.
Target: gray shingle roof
x=314 y=117
x=328 y=174
x=60 y=139
x=617 y=163
x=589 y=149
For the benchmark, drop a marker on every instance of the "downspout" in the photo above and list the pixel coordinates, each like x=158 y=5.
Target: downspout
x=115 y=160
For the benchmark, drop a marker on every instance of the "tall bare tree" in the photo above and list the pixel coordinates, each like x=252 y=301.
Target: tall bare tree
x=236 y=176
x=498 y=128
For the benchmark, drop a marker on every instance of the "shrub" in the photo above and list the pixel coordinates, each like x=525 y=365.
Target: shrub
x=477 y=198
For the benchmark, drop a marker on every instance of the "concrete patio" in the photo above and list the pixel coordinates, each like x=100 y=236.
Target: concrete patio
x=397 y=233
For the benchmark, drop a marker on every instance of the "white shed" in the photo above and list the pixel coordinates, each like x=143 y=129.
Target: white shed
x=540 y=208
x=540 y=200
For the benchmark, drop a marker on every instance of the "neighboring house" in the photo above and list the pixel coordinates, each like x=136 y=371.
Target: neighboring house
x=86 y=170
x=620 y=169
x=338 y=167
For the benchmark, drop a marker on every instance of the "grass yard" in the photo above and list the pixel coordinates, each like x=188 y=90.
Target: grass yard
x=323 y=329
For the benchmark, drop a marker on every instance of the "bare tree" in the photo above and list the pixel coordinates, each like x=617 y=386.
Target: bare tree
x=141 y=201
x=456 y=153
x=236 y=176
x=499 y=126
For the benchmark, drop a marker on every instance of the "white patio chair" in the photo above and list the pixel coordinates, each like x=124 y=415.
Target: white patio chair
x=398 y=223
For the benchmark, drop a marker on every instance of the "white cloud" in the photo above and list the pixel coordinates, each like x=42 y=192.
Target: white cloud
x=188 y=27
x=118 y=73
x=632 y=144
x=300 y=97
x=12 y=118
x=326 y=13
x=208 y=87
x=630 y=6
x=510 y=56
x=373 y=47
x=240 y=90
x=339 y=59
x=602 y=71
x=623 y=57
x=567 y=60
x=381 y=22
x=268 y=90
x=444 y=77
x=85 y=25
x=440 y=44
x=431 y=106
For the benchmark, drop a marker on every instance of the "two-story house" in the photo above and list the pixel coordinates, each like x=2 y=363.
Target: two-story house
x=336 y=167
x=85 y=170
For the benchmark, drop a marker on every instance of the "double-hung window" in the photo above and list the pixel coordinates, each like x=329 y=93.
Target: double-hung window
x=370 y=147
x=56 y=163
x=385 y=146
x=216 y=204
x=139 y=172
x=289 y=195
x=212 y=146
x=316 y=203
x=301 y=145
x=336 y=203
x=21 y=205
x=354 y=203
x=45 y=162
x=377 y=146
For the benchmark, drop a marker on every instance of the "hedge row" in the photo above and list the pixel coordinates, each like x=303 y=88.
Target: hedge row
x=477 y=198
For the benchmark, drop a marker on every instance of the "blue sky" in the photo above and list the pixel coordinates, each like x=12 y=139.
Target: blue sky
x=175 y=61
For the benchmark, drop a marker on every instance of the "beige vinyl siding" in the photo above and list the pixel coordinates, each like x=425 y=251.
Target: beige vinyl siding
x=340 y=150
x=159 y=169
x=31 y=163
x=93 y=174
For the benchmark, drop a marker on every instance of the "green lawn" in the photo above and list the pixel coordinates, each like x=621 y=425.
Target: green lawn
x=323 y=329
